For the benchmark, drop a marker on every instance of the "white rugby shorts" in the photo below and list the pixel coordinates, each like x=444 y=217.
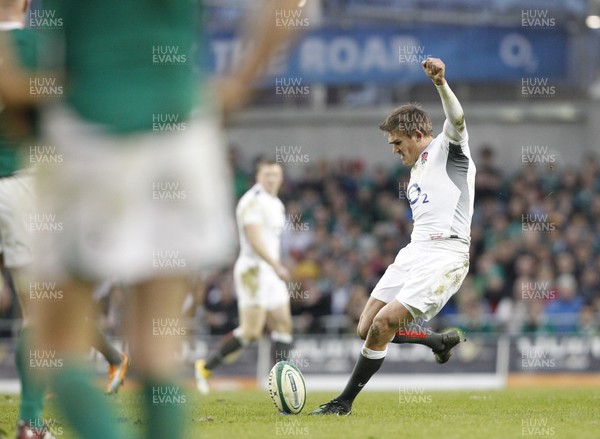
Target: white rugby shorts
x=136 y=206
x=16 y=198
x=257 y=285
x=424 y=276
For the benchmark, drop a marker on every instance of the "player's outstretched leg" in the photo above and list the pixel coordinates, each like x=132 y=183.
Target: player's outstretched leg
x=232 y=342
x=252 y=324
x=118 y=363
x=384 y=325
x=440 y=343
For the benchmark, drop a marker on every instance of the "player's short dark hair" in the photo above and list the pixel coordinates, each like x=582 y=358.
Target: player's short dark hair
x=407 y=119
x=263 y=161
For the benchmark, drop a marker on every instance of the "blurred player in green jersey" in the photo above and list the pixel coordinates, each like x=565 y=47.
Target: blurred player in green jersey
x=142 y=193
x=18 y=134
x=17 y=130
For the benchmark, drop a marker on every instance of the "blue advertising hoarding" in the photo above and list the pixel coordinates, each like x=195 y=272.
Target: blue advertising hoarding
x=388 y=55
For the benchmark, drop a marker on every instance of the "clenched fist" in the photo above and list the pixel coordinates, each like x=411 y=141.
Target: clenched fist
x=435 y=69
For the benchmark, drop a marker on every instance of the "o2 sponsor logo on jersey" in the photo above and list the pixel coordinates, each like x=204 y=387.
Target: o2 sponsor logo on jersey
x=414 y=193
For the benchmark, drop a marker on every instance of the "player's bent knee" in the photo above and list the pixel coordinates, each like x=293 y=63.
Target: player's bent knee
x=381 y=326
x=362 y=332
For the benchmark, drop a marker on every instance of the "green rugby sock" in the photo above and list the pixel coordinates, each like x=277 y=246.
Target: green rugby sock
x=32 y=384
x=86 y=409
x=164 y=404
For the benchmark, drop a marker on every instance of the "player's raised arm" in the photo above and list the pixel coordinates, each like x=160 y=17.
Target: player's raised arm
x=454 y=125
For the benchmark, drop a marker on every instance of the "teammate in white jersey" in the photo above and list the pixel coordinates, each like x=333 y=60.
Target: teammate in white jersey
x=258 y=274
x=429 y=270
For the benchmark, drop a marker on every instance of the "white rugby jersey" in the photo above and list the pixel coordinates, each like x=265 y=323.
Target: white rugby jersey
x=257 y=206
x=441 y=190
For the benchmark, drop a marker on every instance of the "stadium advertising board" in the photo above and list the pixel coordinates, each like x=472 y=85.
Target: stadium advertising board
x=336 y=56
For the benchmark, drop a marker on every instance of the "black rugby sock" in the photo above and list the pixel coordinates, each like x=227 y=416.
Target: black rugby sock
x=230 y=345
x=102 y=345
x=364 y=369
x=282 y=351
x=419 y=335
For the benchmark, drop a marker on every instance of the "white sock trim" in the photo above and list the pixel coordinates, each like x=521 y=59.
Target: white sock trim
x=373 y=355
x=281 y=336
x=239 y=334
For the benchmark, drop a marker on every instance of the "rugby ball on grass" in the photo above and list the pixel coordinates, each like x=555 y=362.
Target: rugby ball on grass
x=287 y=388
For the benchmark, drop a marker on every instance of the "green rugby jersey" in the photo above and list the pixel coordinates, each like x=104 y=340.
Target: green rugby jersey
x=17 y=126
x=128 y=63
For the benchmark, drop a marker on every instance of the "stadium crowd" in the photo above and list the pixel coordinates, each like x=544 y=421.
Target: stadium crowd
x=535 y=249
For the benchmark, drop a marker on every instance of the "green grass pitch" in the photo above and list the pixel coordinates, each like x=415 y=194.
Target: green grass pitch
x=514 y=413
